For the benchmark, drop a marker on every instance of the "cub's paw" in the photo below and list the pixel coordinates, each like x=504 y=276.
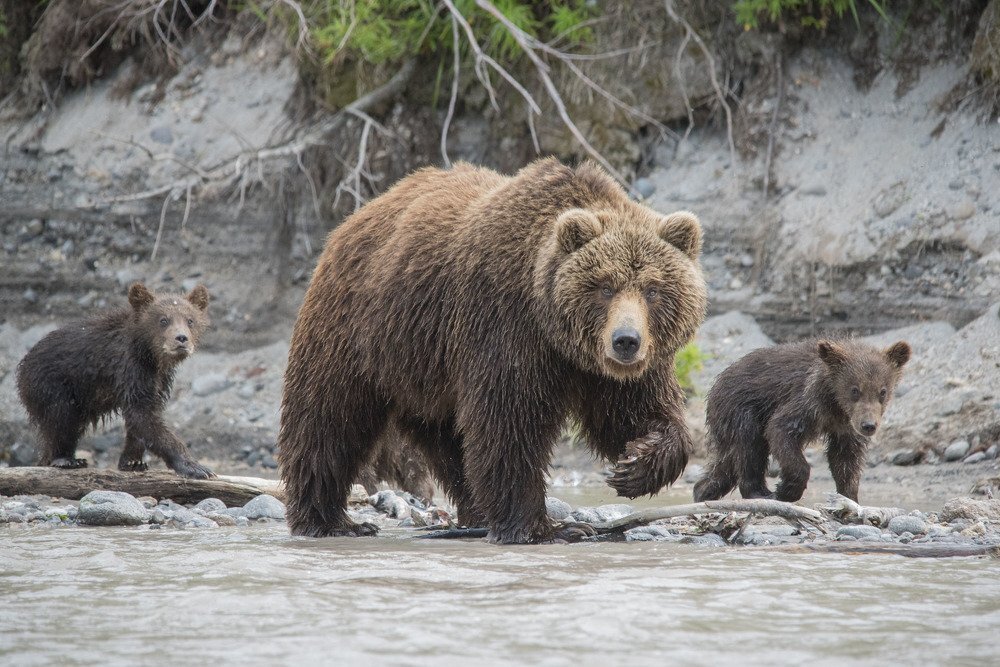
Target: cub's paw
x=572 y=531
x=67 y=463
x=650 y=463
x=133 y=466
x=192 y=469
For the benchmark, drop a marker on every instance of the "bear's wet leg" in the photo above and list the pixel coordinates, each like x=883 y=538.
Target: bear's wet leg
x=323 y=446
x=60 y=431
x=442 y=449
x=146 y=429
x=131 y=457
x=752 y=465
x=719 y=479
x=845 y=455
x=786 y=447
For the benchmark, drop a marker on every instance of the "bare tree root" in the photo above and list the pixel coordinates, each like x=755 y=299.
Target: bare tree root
x=757 y=506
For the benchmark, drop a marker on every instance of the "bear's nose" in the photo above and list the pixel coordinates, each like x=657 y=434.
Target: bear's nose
x=625 y=342
x=181 y=338
x=868 y=427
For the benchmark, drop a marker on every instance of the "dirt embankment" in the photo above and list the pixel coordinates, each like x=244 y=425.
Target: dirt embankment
x=882 y=185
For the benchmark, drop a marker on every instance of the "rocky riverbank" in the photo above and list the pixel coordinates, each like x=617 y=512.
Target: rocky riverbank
x=961 y=523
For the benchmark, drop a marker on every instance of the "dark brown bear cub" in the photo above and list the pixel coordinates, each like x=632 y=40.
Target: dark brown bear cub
x=776 y=400
x=122 y=361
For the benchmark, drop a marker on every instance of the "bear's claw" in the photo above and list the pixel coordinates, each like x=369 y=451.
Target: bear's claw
x=68 y=463
x=572 y=531
x=652 y=462
x=133 y=466
x=192 y=469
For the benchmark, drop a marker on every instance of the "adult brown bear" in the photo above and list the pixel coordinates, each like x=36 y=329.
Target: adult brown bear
x=478 y=311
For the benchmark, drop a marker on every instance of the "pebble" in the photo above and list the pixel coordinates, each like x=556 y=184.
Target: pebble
x=903 y=457
x=557 y=509
x=907 y=524
x=962 y=210
x=956 y=450
x=210 y=505
x=221 y=519
x=268 y=507
x=978 y=457
x=991 y=453
x=813 y=190
x=30 y=295
x=268 y=461
x=652 y=533
x=111 y=508
x=34 y=227
x=860 y=532
x=149 y=502
x=162 y=135
x=157 y=516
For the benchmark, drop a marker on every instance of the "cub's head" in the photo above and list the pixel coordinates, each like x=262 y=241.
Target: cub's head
x=171 y=324
x=622 y=287
x=863 y=378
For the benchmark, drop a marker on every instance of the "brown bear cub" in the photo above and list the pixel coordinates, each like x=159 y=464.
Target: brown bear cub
x=120 y=362
x=776 y=400
x=475 y=312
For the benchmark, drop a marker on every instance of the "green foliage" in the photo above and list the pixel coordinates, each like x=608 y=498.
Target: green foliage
x=810 y=13
x=688 y=360
x=380 y=31
x=3 y=24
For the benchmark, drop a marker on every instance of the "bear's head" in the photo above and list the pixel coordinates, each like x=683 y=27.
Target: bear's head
x=171 y=325
x=862 y=379
x=622 y=286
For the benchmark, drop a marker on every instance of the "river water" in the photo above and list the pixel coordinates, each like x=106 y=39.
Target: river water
x=255 y=596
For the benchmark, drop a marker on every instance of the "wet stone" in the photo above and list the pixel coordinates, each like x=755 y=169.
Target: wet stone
x=907 y=524
x=210 y=505
x=904 y=457
x=557 y=509
x=221 y=519
x=860 y=532
x=269 y=507
x=978 y=457
x=111 y=508
x=652 y=533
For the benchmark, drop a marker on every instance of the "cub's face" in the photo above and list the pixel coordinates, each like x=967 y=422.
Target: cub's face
x=863 y=379
x=173 y=324
x=625 y=287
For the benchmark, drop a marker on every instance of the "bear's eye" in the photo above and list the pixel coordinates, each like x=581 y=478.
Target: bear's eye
x=607 y=292
x=652 y=293
x=855 y=394
x=164 y=321
x=190 y=322
x=882 y=393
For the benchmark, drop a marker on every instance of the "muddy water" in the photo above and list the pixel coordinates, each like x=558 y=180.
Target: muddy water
x=135 y=596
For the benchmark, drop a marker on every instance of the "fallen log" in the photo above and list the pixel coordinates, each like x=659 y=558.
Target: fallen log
x=75 y=484
x=763 y=507
x=908 y=550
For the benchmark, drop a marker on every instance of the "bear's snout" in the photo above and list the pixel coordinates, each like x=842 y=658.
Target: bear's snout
x=868 y=427
x=625 y=342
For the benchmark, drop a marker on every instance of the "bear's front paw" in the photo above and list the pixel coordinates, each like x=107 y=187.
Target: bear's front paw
x=133 y=466
x=650 y=463
x=346 y=529
x=68 y=463
x=192 y=469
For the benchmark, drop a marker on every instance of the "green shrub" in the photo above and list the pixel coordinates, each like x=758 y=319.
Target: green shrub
x=689 y=359
x=811 y=13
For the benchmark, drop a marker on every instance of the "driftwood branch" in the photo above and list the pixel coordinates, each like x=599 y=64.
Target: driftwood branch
x=757 y=506
x=843 y=509
x=75 y=484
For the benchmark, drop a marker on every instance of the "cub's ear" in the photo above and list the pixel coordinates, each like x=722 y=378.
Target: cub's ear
x=575 y=227
x=832 y=354
x=898 y=353
x=683 y=231
x=199 y=297
x=139 y=296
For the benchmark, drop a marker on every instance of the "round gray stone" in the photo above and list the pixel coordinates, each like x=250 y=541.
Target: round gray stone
x=557 y=509
x=907 y=524
x=268 y=507
x=956 y=450
x=111 y=508
x=210 y=505
x=860 y=532
x=978 y=457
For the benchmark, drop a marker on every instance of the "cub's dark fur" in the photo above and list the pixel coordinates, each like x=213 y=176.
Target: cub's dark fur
x=122 y=361
x=776 y=400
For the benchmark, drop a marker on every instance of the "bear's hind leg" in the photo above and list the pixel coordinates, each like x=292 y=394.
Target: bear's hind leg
x=60 y=431
x=753 y=469
x=719 y=479
x=322 y=448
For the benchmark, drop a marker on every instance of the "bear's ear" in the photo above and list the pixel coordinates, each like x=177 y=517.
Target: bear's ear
x=575 y=227
x=832 y=354
x=199 y=297
x=683 y=231
x=139 y=296
x=898 y=353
